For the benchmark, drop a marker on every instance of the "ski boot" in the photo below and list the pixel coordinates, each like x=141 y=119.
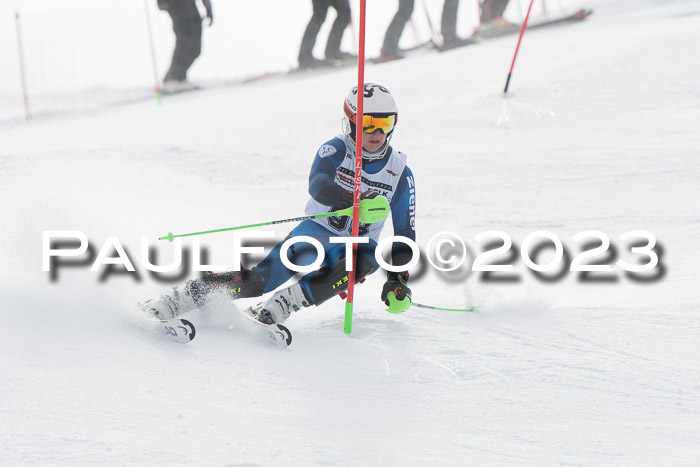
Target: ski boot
x=194 y=295
x=281 y=305
x=170 y=305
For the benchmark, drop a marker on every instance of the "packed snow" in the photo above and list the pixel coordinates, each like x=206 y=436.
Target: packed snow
x=598 y=132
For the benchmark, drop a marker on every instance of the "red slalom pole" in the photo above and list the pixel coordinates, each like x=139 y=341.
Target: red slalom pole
x=23 y=75
x=158 y=89
x=520 y=38
x=347 y=327
x=433 y=35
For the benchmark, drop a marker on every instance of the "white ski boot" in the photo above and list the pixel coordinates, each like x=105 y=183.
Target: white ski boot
x=170 y=305
x=278 y=307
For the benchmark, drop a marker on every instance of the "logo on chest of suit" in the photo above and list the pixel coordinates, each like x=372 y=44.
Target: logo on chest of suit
x=346 y=179
x=391 y=172
x=378 y=186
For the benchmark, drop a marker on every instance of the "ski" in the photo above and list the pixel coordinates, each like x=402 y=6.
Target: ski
x=324 y=65
x=277 y=334
x=572 y=18
x=183 y=331
x=405 y=53
x=514 y=29
x=179 y=330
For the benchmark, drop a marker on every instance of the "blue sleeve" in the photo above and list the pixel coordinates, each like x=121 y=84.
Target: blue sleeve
x=403 y=216
x=322 y=186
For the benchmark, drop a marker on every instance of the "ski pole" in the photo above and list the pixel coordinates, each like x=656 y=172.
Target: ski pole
x=440 y=308
x=520 y=38
x=343 y=212
x=399 y=306
x=371 y=210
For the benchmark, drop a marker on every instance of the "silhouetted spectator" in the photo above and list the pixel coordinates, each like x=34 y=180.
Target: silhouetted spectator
x=448 y=28
x=492 y=12
x=390 y=49
x=187 y=25
x=342 y=8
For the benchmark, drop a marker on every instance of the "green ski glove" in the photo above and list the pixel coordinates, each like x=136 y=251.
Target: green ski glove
x=395 y=293
x=373 y=207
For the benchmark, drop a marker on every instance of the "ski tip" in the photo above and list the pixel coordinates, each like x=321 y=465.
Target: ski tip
x=191 y=327
x=179 y=330
x=287 y=335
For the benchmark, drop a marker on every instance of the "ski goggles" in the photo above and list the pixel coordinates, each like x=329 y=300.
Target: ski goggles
x=372 y=123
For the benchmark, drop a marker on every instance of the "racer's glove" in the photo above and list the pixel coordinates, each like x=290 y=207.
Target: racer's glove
x=395 y=293
x=373 y=208
x=348 y=196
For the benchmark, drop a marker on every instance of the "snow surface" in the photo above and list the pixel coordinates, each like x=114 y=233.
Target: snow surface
x=600 y=132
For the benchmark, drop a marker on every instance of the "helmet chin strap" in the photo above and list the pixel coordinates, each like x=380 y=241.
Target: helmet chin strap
x=378 y=154
x=366 y=155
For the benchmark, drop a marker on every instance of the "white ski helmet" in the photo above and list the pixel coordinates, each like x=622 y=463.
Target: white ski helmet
x=379 y=112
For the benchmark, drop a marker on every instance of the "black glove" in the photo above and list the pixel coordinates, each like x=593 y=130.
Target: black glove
x=349 y=197
x=396 y=282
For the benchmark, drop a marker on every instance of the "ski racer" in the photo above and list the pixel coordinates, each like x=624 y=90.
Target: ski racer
x=331 y=186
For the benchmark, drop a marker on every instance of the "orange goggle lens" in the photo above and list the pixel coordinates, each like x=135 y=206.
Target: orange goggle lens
x=370 y=123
